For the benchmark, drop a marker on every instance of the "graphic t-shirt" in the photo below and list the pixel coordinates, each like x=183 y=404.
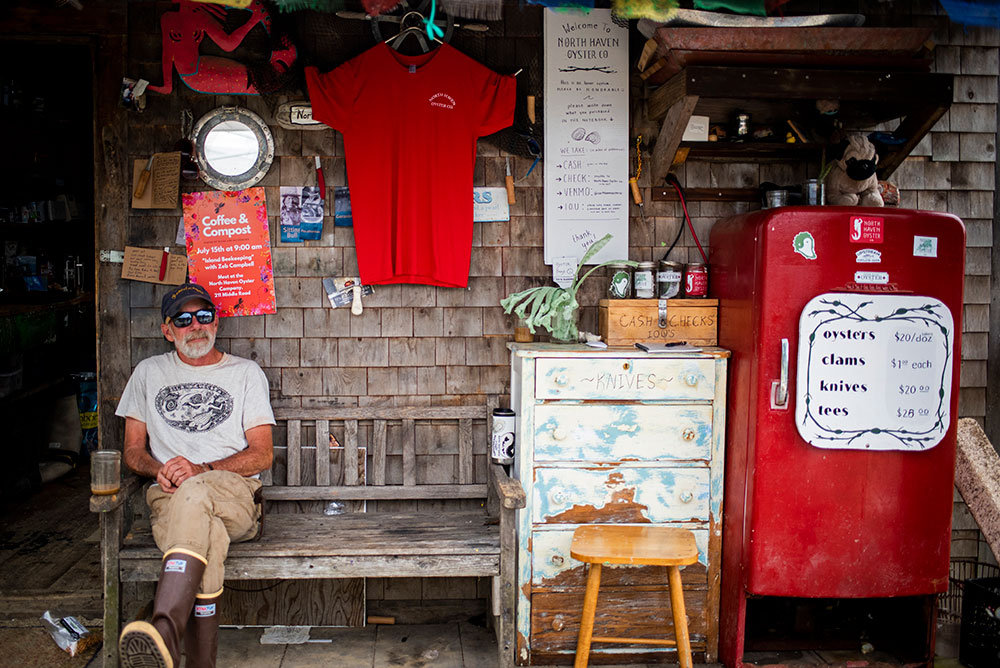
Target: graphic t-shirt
x=197 y=412
x=410 y=125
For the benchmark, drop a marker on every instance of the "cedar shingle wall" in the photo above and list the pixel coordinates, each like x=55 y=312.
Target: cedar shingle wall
x=425 y=345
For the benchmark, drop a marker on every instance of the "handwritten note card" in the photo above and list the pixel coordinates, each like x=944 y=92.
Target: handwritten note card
x=143 y=264
x=163 y=188
x=586 y=134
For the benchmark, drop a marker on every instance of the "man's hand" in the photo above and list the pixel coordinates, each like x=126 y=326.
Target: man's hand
x=176 y=471
x=164 y=482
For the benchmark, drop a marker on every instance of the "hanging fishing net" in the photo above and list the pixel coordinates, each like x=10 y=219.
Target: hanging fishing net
x=520 y=48
x=287 y=6
x=481 y=10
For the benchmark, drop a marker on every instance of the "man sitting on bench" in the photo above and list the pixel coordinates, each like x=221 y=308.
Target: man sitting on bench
x=208 y=421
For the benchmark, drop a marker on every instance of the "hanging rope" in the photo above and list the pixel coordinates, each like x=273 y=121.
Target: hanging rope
x=638 y=156
x=433 y=31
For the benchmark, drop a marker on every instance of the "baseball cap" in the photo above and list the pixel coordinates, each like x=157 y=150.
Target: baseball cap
x=174 y=300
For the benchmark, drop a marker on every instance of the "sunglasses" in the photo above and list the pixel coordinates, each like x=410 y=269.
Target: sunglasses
x=181 y=320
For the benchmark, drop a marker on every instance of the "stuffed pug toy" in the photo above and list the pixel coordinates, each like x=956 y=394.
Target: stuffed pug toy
x=852 y=181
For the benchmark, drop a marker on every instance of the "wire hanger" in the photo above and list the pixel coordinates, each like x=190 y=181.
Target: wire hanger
x=417 y=30
x=421 y=30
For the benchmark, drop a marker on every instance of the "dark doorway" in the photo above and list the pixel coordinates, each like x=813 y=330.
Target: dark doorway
x=47 y=329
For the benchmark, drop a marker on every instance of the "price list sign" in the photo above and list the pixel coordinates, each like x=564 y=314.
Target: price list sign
x=586 y=134
x=874 y=372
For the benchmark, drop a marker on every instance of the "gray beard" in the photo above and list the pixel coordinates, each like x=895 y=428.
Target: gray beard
x=197 y=348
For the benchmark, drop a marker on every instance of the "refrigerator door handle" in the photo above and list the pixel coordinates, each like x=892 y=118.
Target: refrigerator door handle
x=779 y=388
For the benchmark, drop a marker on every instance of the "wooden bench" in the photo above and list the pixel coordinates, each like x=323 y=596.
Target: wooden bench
x=464 y=529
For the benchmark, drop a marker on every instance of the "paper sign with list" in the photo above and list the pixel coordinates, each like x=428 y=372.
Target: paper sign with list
x=586 y=134
x=874 y=372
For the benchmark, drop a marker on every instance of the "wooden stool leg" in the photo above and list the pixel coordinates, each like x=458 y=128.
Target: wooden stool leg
x=587 y=621
x=680 y=617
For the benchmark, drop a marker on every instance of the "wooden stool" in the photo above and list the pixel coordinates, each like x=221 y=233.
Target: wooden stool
x=598 y=544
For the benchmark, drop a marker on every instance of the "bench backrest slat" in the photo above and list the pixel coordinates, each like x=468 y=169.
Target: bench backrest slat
x=465 y=451
x=294 y=456
x=409 y=453
x=322 y=452
x=378 y=454
x=351 y=452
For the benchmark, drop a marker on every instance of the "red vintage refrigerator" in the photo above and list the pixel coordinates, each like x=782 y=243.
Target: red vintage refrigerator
x=845 y=328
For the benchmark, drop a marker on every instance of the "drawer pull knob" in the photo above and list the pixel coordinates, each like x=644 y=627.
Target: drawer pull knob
x=691 y=379
x=558 y=560
x=559 y=434
x=558 y=623
x=561 y=379
x=558 y=497
x=688 y=434
x=686 y=496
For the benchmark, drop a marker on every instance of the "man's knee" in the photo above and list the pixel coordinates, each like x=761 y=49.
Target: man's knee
x=194 y=493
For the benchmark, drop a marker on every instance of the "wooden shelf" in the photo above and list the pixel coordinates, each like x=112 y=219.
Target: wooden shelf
x=707 y=194
x=753 y=150
x=74 y=227
x=773 y=95
x=45 y=302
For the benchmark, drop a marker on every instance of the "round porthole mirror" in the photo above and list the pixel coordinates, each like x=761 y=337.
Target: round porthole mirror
x=234 y=148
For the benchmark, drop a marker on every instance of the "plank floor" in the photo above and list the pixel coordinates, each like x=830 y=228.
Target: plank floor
x=50 y=554
x=459 y=645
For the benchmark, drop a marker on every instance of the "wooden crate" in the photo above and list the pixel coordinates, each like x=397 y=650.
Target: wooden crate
x=624 y=322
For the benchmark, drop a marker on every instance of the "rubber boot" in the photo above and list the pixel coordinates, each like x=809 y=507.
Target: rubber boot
x=201 y=639
x=158 y=644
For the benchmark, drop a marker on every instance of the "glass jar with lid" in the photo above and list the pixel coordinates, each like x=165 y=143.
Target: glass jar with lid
x=668 y=279
x=696 y=280
x=619 y=281
x=643 y=280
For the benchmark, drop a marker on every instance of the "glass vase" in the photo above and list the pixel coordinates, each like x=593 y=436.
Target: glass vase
x=563 y=324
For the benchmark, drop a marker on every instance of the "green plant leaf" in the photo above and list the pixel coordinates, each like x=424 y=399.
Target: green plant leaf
x=594 y=249
x=579 y=282
x=511 y=300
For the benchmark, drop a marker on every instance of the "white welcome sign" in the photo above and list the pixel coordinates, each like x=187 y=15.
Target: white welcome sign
x=586 y=134
x=874 y=372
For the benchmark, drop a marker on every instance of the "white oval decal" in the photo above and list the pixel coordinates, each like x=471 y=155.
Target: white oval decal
x=866 y=255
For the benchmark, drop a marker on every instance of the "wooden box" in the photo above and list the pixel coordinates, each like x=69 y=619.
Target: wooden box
x=624 y=322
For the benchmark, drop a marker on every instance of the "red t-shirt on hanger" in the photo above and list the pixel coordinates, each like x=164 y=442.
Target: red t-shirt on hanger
x=410 y=125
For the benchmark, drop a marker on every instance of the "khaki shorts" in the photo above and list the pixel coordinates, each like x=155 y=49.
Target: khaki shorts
x=204 y=515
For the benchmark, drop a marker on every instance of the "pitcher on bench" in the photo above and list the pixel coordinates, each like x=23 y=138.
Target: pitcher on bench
x=208 y=421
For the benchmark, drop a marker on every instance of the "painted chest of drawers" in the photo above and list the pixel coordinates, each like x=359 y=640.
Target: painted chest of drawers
x=616 y=436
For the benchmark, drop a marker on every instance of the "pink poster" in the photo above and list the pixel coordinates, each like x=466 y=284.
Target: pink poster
x=229 y=249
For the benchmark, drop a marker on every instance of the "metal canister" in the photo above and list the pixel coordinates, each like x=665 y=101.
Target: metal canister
x=814 y=192
x=645 y=285
x=620 y=281
x=742 y=125
x=502 y=440
x=696 y=280
x=668 y=279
